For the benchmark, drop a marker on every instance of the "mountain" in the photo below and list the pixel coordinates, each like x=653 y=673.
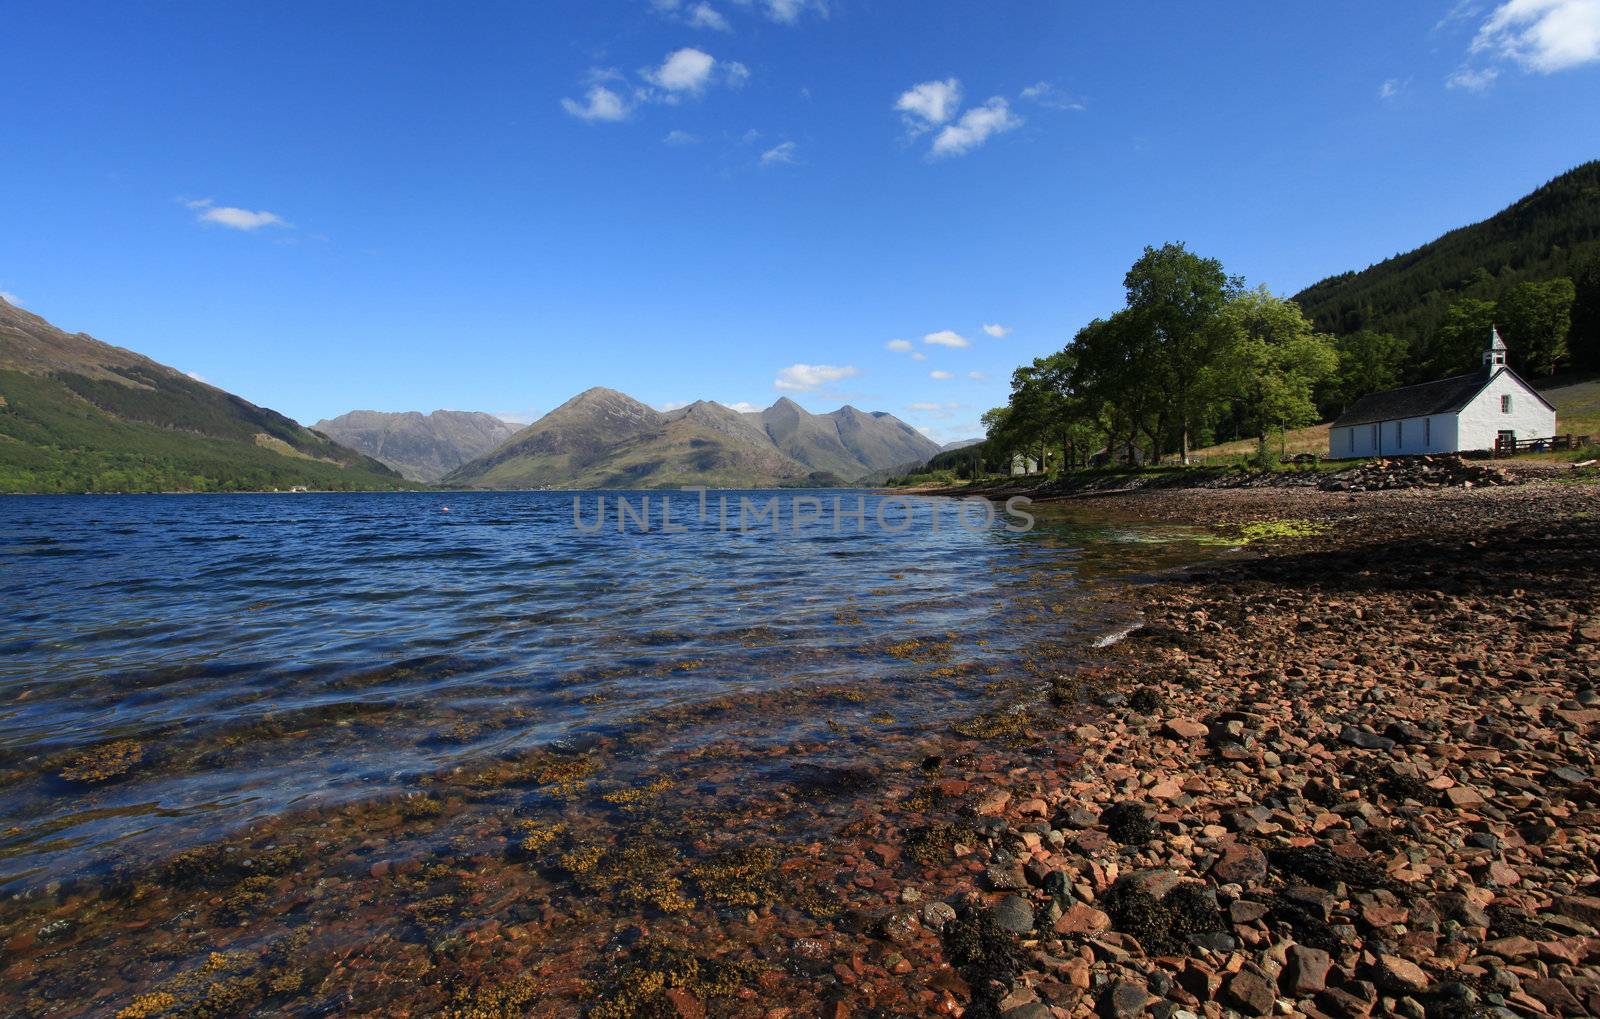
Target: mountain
x=423 y=447
x=959 y=444
x=79 y=415
x=605 y=439
x=1546 y=234
x=808 y=438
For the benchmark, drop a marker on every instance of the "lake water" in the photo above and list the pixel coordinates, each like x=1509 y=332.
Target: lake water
x=172 y=668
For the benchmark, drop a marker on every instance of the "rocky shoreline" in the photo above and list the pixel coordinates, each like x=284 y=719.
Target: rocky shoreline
x=1354 y=776
x=1351 y=773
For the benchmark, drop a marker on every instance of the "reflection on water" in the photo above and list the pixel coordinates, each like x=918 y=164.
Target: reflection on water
x=171 y=667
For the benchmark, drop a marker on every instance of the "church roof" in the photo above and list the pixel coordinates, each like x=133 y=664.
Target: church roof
x=1445 y=396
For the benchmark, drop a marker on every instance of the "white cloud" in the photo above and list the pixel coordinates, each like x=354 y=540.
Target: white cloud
x=947 y=338
x=975 y=127
x=1392 y=87
x=780 y=153
x=788 y=11
x=706 y=16
x=929 y=104
x=1542 y=35
x=679 y=138
x=599 y=103
x=233 y=218
x=10 y=298
x=996 y=330
x=198 y=377
x=671 y=405
x=976 y=376
x=805 y=378
x=742 y=407
x=898 y=346
x=1462 y=10
x=1050 y=97
x=940 y=375
x=930 y=407
x=686 y=70
x=919 y=356
x=518 y=417
x=1472 y=80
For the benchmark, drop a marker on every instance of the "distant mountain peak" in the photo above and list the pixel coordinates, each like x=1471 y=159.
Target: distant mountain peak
x=603 y=438
x=423 y=447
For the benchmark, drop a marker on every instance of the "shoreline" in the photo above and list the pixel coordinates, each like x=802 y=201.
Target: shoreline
x=1182 y=819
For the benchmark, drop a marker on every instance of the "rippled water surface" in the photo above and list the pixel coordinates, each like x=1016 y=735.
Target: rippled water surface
x=174 y=666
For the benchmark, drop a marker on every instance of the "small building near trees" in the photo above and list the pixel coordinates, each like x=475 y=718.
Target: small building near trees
x=1454 y=415
x=1022 y=465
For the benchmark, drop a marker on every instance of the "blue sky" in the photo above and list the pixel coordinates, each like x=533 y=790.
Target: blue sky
x=494 y=206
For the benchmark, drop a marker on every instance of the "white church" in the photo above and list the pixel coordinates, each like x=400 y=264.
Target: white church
x=1467 y=412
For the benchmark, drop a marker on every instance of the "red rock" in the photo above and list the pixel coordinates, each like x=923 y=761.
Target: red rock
x=1239 y=863
x=1555 y=996
x=1184 y=729
x=1082 y=918
x=1307 y=971
x=994 y=803
x=1077 y=973
x=1401 y=976
x=1384 y=916
x=1568 y=950
x=684 y=1005
x=1168 y=789
x=1511 y=948
x=1580 y=907
x=1033 y=808
x=1250 y=993
x=1339 y=1002
x=1502 y=874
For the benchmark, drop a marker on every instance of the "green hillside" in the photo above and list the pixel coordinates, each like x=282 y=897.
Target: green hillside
x=78 y=415
x=1553 y=232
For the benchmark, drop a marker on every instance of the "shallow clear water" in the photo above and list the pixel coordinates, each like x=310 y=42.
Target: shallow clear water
x=270 y=652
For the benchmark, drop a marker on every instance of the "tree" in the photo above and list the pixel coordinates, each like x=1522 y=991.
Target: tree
x=1458 y=344
x=1272 y=362
x=1116 y=379
x=1177 y=296
x=1583 y=339
x=1369 y=362
x=1534 y=319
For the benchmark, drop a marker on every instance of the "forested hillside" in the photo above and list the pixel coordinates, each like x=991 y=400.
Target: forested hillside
x=1551 y=234
x=1195 y=357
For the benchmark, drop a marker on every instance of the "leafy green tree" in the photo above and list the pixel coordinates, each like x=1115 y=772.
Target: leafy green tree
x=1369 y=362
x=1177 y=296
x=1584 y=337
x=1272 y=362
x=1534 y=319
x=1116 y=378
x=1458 y=344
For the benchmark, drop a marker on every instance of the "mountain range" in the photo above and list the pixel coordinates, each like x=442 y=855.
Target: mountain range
x=80 y=415
x=605 y=439
x=422 y=447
